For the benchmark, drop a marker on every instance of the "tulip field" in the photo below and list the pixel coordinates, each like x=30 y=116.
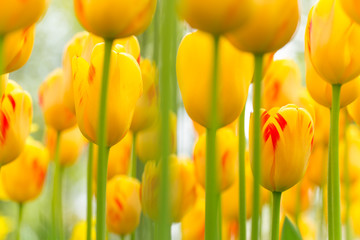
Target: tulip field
x=179 y=119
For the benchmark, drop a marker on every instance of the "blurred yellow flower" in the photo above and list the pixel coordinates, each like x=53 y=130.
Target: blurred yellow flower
x=3 y=82
x=182 y=188
x=123 y=207
x=288 y=134
x=51 y=99
x=352 y=8
x=215 y=16
x=5 y=227
x=269 y=28
x=15 y=121
x=23 y=179
x=113 y=19
x=125 y=88
x=193 y=223
x=354 y=110
x=194 y=74
x=79 y=231
x=331 y=40
x=226 y=158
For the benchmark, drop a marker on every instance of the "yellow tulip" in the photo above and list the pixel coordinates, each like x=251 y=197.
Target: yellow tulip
x=123 y=207
x=269 y=28
x=119 y=158
x=148 y=141
x=307 y=228
x=321 y=91
x=287 y=141
x=282 y=84
x=182 y=188
x=125 y=88
x=72 y=144
x=51 y=99
x=318 y=163
x=79 y=231
x=215 y=16
x=352 y=8
x=355 y=217
x=147 y=106
x=194 y=74
x=15 y=121
x=15 y=15
x=23 y=179
x=3 y=82
x=226 y=158
x=113 y=19
x=5 y=227
x=193 y=223
x=331 y=40
x=17 y=47
x=354 y=110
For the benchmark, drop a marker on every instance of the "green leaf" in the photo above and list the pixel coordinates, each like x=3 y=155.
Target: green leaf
x=289 y=231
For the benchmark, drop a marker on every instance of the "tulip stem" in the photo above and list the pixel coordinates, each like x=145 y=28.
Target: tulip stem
x=20 y=213
x=347 y=183
x=242 y=192
x=276 y=216
x=57 y=224
x=133 y=157
x=89 y=192
x=256 y=154
x=334 y=161
x=103 y=152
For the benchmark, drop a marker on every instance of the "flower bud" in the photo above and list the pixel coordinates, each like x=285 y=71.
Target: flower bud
x=79 y=231
x=352 y=8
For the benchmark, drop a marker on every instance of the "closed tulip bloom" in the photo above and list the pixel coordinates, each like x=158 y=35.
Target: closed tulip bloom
x=147 y=106
x=269 y=28
x=115 y=19
x=119 y=158
x=318 y=163
x=15 y=15
x=51 y=99
x=79 y=231
x=321 y=90
x=282 y=84
x=182 y=188
x=147 y=144
x=215 y=16
x=15 y=121
x=193 y=223
x=72 y=144
x=17 y=47
x=23 y=179
x=3 y=82
x=125 y=88
x=352 y=8
x=123 y=207
x=288 y=134
x=354 y=110
x=194 y=67
x=331 y=39
x=226 y=157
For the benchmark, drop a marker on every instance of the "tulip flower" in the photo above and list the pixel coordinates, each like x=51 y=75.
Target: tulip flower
x=79 y=231
x=23 y=179
x=3 y=82
x=352 y=8
x=282 y=84
x=119 y=158
x=72 y=144
x=16 y=15
x=124 y=75
x=182 y=188
x=17 y=48
x=123 y=206
x=193 y=223
x=331 y=41
x=115 y=19
x=194 y=69
x=5 y=227
x=317 y=169
x=353 y=110
x=147 y=106
x=226 y=158
x=51 y=99
x=269 y=28
x=216 y=17
x=148 y=141
x=15 y=121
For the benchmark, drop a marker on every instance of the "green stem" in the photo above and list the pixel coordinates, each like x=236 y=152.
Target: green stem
x=211 y=187
x=334 y=163
x=103 y=148
x=347 y=183
x=89 y=192
x=321 y=212
x=57 y=224
x=276 y=216
x=256 y=145
x=298 y=205
x=330 y=190
x=166 y=63
x=219 y=217
x=242 y=185
x=156 y=35
x=133 y=157
x=20 y=213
